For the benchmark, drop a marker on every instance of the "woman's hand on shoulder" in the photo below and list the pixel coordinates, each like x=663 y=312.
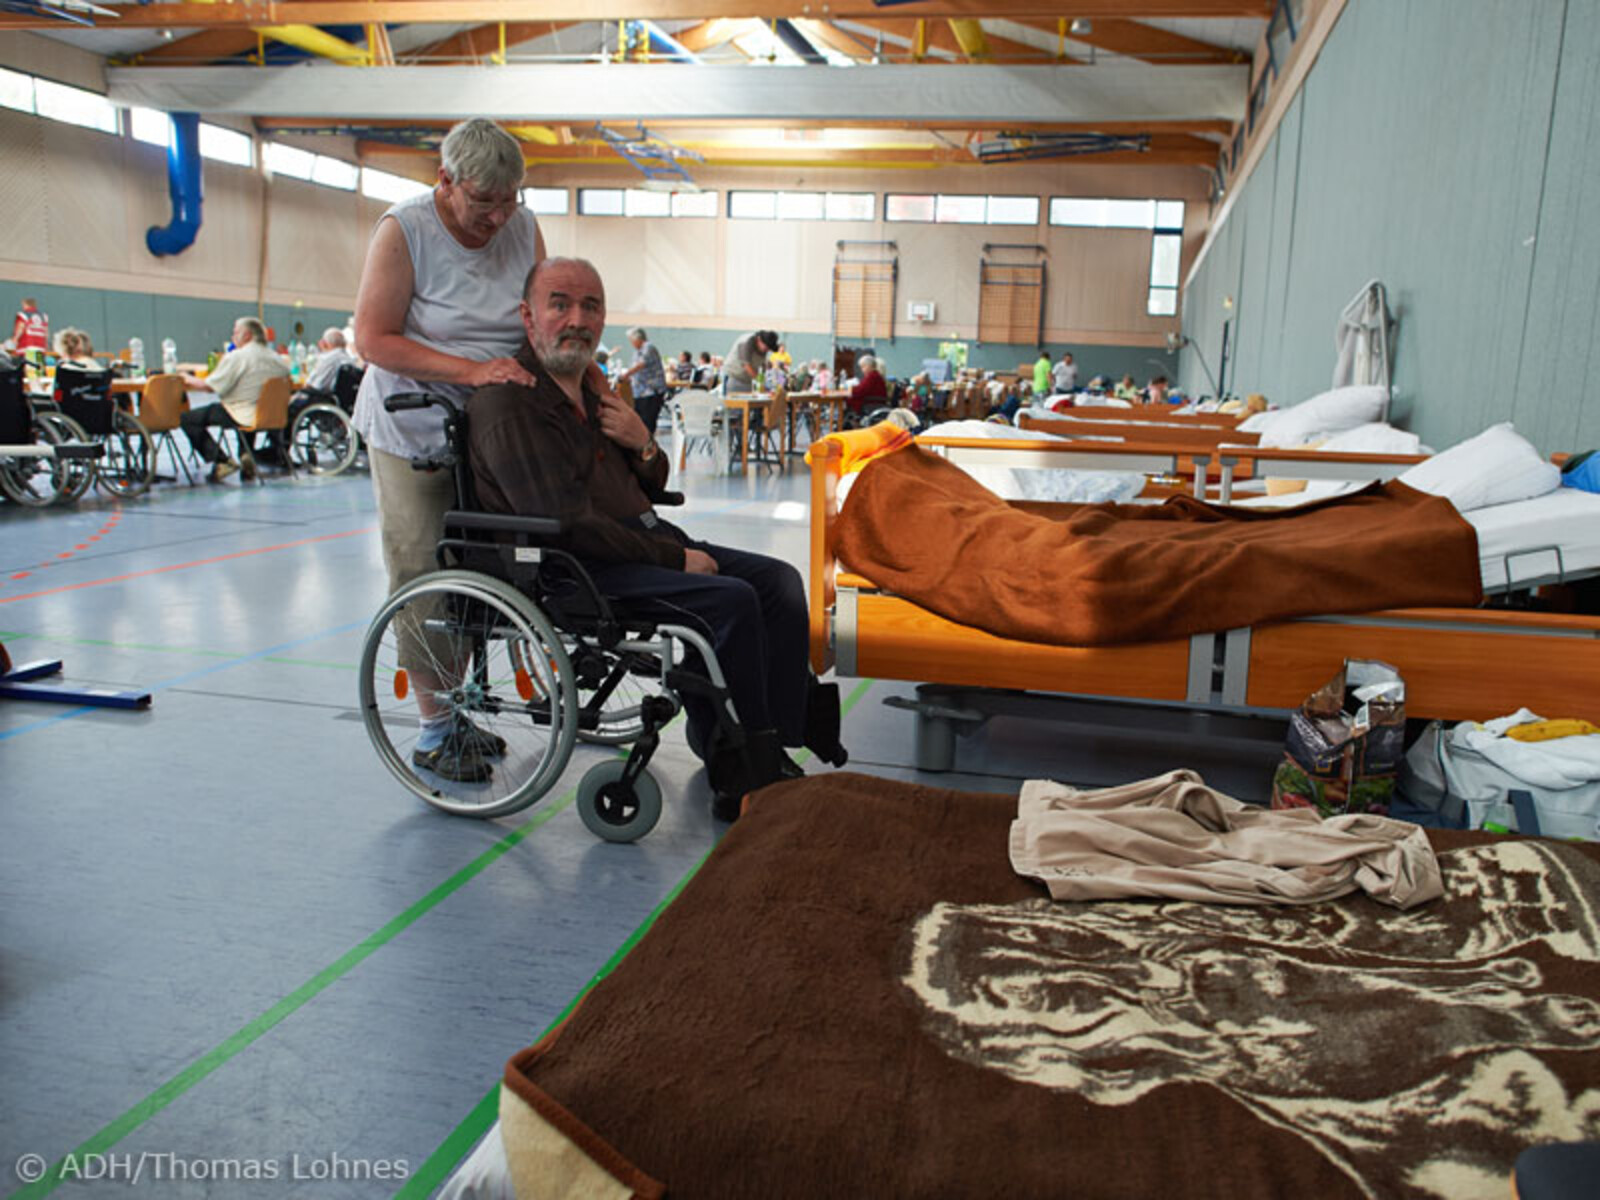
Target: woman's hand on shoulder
x=498 y=370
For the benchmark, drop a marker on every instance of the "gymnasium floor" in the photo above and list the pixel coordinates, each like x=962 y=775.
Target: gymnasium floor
x=229 y=943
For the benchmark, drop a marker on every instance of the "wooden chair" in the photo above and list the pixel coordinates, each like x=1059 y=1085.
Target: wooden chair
x=272 y=416
x=161 y=406
x=766 y=429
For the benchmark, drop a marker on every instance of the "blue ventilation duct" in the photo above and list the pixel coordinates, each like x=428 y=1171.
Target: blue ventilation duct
x=183 y=185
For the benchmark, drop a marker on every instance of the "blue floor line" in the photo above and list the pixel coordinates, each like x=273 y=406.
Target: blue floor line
x=8 y=734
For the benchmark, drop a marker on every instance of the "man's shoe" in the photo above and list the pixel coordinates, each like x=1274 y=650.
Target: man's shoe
x=248 y=472
x=486 y=743
x=453 y=761
x=789 y=768
x=221 y=470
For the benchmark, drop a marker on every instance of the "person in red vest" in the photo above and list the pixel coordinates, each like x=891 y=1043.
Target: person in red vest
x=31 y=330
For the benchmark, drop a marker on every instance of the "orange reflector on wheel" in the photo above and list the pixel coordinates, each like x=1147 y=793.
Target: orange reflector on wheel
x=524 y=684
x=402 y=684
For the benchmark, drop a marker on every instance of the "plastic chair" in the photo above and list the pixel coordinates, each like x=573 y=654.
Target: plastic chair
x=161 y=406
x=695 y=423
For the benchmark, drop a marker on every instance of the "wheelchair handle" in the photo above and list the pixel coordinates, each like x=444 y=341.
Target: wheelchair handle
x=402 y=401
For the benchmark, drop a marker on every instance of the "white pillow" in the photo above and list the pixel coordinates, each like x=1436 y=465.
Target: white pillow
x=1331 y=412
x=1376 y=438
x=1496 y=467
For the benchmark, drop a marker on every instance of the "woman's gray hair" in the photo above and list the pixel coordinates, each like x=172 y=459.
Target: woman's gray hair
x=636 y=332
x=479 y=151
x=867 y=363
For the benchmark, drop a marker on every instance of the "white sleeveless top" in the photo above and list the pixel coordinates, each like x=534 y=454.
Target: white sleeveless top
x=463 y=302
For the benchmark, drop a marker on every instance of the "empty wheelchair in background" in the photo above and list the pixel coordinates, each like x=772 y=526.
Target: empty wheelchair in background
x=322 y=437
x=512 y=638
x=44 y=458
x=127 y=466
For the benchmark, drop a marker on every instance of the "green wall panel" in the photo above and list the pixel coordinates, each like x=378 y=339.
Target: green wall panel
x=1446 y=147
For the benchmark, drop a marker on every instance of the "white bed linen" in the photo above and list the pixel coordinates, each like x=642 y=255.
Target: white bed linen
x=1041 y=485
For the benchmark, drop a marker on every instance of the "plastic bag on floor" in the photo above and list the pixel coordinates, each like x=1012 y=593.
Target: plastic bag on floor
x=1468 y=774
x=1344 y=747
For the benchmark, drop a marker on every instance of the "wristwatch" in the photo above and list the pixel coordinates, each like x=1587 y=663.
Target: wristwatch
x=648 y=451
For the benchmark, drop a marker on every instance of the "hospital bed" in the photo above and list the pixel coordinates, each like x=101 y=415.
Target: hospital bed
x=1457 y=663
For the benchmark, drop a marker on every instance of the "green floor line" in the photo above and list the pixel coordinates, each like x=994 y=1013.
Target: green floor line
x=214 y=1058
x=486 y=1111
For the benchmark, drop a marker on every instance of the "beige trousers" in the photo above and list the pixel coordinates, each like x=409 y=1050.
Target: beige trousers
x=411 y=508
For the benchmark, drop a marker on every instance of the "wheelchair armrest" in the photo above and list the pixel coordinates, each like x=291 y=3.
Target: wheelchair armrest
x=502 y=523
x=667 y=499
x=401 y=401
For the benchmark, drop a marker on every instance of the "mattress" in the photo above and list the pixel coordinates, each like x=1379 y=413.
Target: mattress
x=1542 y=539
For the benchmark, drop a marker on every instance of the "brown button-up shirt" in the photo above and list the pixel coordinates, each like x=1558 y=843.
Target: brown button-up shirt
x=534 y=455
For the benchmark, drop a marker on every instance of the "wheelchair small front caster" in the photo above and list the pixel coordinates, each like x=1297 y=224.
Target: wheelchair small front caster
x=615 y=810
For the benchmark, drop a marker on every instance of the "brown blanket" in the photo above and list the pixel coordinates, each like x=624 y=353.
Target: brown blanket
x=1099 y=574
x=857 y=996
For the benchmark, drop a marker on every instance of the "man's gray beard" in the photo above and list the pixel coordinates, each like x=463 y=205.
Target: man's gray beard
x=570 y=359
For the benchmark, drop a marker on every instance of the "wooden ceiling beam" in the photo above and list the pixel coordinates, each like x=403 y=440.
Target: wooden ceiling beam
x=1147 y=43
x=710 y=34
x=835 y=39
x=479 y=43
x=401 y=12
x=1197 y=129
x=208 y=45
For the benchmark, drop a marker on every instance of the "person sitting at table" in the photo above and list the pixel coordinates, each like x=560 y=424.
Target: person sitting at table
x=237 y=381
x=871 y=385
x=569 y=448
x=1127 y=389
x=74 y=349
x=705 y=371
x=745 y=366
x=1156 y=393
x=332 y=353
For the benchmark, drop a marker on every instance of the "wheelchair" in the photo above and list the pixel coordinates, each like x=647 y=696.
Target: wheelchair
x=511 y=634
x=322 y=439
x=45 y=457
x=127 y=466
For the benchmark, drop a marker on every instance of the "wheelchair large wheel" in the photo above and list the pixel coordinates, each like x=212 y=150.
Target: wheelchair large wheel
x=322 y=441
x=613 y=810
x=485 y=654
x=128 y=465
x=37 y=482
x=80 y=472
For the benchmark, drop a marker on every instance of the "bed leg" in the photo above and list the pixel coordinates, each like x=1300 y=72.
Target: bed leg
x=942 y=716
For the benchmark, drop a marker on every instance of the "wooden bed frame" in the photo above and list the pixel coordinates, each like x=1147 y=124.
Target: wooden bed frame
x=1458 y=664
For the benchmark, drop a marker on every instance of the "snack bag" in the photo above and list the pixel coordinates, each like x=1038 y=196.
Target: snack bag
x=1345 y=743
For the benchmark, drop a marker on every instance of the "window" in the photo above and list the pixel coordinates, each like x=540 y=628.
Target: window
x=600 y=202
x=335 y=173
x=800 y=206
x=1013 y=210
x=546 y=202
x=285 y=160
x=694 y=204
x=851 y=206
x=225 y=145
x=959 y=210
x=16 y=90
x=73 y=105
x=1102 y=214
x=908 y=208
x=150 y=125
x=746 y=206
x=637 y=202
x=1165 y=251
x=381 y=185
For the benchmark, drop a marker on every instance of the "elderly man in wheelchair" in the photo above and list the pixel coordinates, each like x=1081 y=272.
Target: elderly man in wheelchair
x=562 y=591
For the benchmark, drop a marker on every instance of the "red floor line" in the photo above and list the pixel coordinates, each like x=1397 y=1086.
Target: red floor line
x=199 y=562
